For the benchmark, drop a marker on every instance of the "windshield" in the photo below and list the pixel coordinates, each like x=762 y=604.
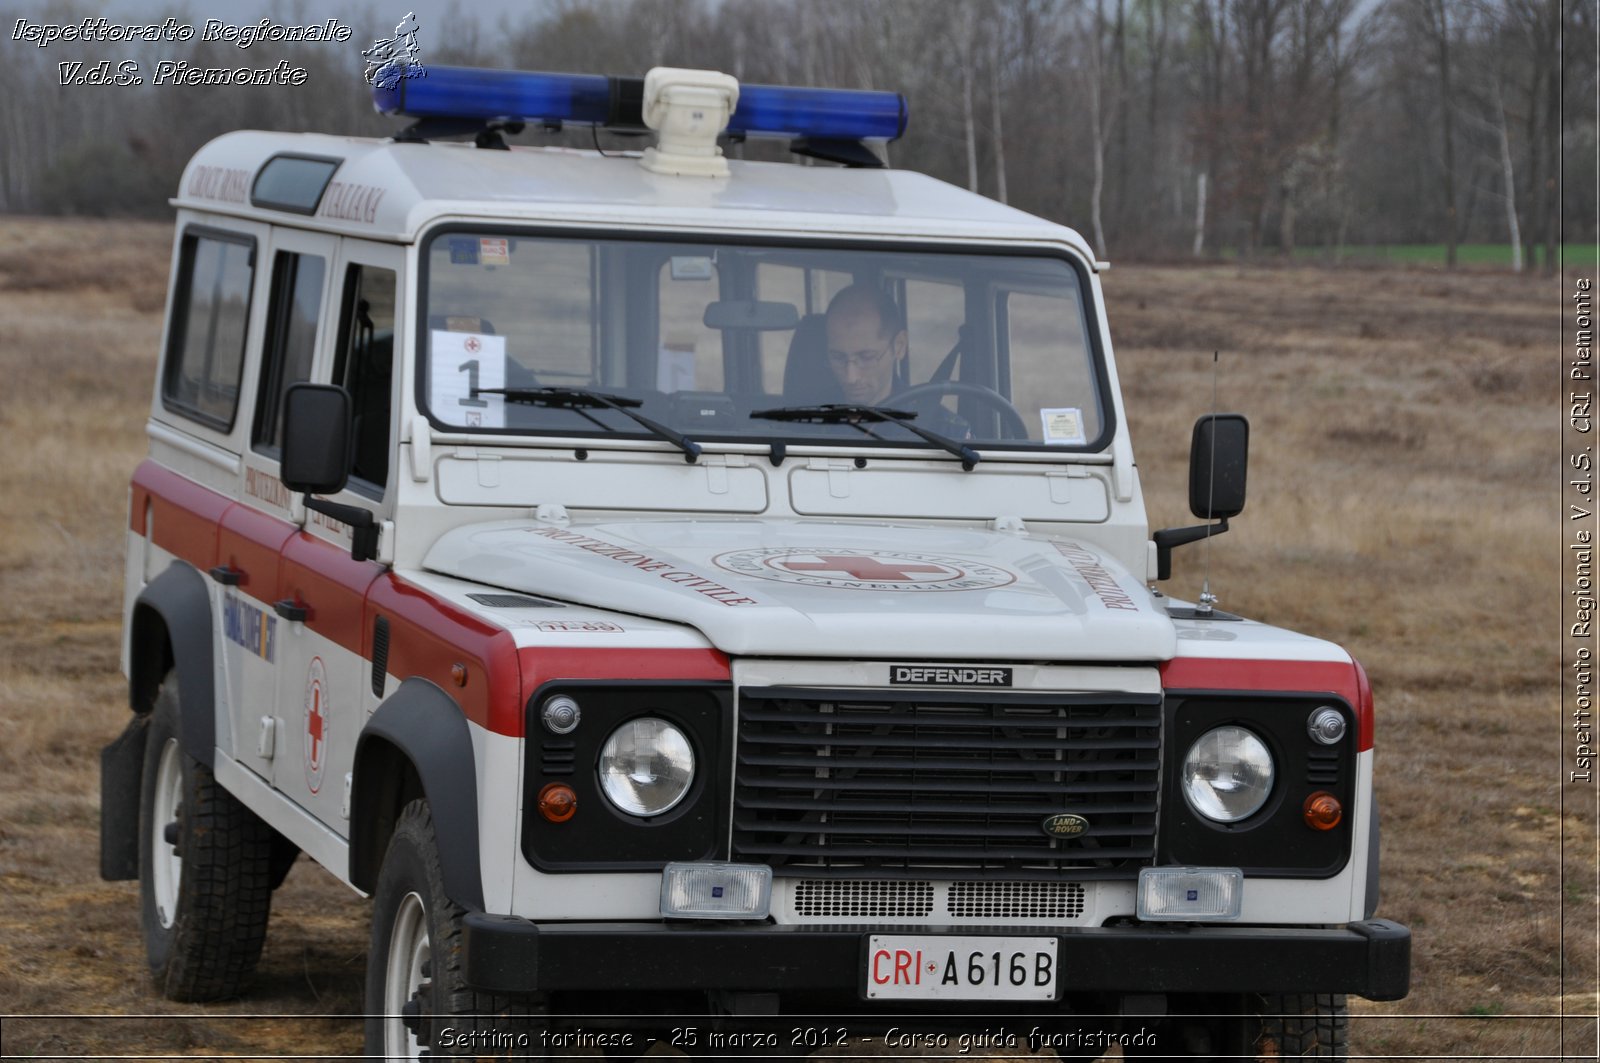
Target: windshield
x=710 y=340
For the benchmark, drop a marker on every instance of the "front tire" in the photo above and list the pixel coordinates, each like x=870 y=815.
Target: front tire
x=1257 y=1026
x=417 y=996
x=205 y=869
x=1303 y=1026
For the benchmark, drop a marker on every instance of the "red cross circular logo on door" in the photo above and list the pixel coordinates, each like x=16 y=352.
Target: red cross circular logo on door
x=472 y=344
x=316 y=730
x=847 y=568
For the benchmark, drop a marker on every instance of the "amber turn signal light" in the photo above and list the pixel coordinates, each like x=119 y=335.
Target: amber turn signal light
x=1323 y=811
x=557 y=802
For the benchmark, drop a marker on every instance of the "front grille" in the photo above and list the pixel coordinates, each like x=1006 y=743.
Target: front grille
x=1015 y=900
x=946 y=782
x=871 y=898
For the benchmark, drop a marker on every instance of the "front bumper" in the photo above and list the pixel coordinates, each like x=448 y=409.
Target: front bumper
x=507 y=954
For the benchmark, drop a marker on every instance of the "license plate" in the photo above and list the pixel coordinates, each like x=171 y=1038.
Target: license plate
x=948 y=967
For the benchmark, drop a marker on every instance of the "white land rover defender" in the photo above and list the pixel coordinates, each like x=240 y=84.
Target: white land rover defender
x=679 y=586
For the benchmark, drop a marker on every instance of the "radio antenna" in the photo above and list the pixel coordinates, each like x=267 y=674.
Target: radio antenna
x=1207 y=599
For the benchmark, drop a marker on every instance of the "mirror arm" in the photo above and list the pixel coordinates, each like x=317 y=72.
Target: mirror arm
x=1167 y=538
x=363 y=528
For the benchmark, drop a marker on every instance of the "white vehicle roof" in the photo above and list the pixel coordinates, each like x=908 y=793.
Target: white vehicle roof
x=388 y=190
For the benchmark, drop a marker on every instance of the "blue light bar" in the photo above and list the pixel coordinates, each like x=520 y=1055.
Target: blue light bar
x=827 y=114
x=592 y=99
x=467 y=92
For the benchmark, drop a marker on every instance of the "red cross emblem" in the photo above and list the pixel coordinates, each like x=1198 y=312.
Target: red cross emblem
x=316 y=733
x=315 y=721
x=473 y=345
x=863 y=568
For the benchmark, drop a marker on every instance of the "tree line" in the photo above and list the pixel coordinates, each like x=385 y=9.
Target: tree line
x=1158 y=128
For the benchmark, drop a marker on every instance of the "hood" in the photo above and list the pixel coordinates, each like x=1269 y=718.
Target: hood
x=816 y=589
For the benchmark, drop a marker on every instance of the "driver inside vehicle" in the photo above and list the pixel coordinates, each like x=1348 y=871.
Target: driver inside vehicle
x=866 y=344
x=867 y=349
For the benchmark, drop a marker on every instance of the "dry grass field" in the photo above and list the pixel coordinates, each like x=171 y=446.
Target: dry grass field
x=1403 y=501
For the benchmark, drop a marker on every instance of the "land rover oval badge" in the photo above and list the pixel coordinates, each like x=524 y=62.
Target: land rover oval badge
x=1065 y=825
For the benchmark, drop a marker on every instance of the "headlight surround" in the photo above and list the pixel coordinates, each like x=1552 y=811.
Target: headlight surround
x=646 y=766
x=1227 y=774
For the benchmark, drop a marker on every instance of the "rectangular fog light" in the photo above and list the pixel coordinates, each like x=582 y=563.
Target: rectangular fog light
x=1168 y=894
x=716 y=891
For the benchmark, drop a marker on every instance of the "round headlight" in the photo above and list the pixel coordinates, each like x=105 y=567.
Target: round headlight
x=1227 y=774
x=646 y=766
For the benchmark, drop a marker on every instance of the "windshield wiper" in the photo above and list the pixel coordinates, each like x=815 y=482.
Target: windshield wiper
x=842 y=412
x=580 y=399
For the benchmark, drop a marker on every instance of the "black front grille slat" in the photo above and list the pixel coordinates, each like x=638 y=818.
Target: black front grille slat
x=912 y=830
x=1030 y=765
x=934 y=786
x=945 y=780
x=932 y=854
x=961 y=741
x=848 y=712
x=845 y=804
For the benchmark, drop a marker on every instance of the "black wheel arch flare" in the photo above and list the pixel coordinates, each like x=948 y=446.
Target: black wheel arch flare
x=417 y=740
x=171 y=628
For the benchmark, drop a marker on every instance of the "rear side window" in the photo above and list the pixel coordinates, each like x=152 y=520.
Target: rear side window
x=210 y=316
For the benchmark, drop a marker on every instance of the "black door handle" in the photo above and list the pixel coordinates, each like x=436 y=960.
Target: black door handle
x=227 y=575
x=290 y=609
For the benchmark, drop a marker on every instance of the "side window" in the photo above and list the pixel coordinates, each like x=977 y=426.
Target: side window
x=1048 y=344
x=292 y=319
x=365 y=367
x=210 y=314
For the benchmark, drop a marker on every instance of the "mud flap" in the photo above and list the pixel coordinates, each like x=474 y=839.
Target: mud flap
x=120 y=765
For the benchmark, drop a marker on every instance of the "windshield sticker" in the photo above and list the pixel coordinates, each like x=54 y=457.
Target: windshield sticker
x=1102 y=584
x=494 y=252
x=864 y=570
x=691 y=268
x=463 y=251
x=462 y=363
x=1063 y=425
x=675 y=368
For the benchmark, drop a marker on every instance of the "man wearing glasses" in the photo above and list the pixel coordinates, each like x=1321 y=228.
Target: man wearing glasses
x=866 y=344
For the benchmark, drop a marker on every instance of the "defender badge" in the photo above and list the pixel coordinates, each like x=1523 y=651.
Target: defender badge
x=1065 y=825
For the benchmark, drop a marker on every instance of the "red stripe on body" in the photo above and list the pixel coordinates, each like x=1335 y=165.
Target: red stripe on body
x=184 y=514
x=428 y=637
x=250 y=542
x=541 y=664
x=322 y=576
x=1349 y=681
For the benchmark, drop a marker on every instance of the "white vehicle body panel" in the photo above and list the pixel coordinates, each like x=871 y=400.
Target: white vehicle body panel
x=775 y=588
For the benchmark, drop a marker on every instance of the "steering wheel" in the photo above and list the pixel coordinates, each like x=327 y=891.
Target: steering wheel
x=1012 y=426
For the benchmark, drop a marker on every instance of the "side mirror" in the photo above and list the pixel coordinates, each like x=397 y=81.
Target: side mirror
x=1218 y=455
x=316 y=438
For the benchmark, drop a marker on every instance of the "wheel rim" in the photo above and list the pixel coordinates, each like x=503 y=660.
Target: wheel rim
x=166 y=864
x=408 y=951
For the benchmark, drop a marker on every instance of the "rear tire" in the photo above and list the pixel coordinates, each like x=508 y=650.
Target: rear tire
x=206 y=893
x=415 y=963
